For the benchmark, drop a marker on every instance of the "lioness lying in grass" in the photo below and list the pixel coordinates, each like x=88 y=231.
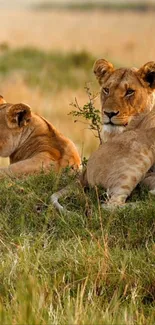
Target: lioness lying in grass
x=31 y=142
x=119 y=164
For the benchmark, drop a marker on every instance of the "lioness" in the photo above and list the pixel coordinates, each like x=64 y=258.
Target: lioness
x=125 y=93
x=123 y=161
x=119 y=164
x=31 y=142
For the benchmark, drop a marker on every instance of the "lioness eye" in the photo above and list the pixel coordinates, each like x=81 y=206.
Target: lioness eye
x=106 y=91
x=129 y=92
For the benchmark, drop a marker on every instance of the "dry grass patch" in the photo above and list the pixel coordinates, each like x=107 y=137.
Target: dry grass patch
x=125 y=36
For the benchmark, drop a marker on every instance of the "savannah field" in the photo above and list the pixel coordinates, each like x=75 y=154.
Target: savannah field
x=91 y=266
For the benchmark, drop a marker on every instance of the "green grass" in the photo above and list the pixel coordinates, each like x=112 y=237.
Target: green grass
x=88 y=267
x=96 y=5
x=50 y=71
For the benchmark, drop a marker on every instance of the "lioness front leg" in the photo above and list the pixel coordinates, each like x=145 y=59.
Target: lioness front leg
x=27 y=167
x=120 y=191
x=115 y=201
x=118 y=202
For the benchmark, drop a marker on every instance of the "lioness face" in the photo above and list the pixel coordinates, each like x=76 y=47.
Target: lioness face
x=124 y=94
x=13 y=119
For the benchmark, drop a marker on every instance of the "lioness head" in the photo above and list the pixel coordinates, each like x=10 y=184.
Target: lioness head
x=13 y=120
x=125 y=92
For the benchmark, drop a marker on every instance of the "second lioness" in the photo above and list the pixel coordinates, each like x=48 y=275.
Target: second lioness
x=31 y=142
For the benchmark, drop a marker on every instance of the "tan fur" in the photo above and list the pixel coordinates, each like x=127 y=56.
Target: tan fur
x=118 y=101
x=122 y=162
x=31 y=142
x=119 y=164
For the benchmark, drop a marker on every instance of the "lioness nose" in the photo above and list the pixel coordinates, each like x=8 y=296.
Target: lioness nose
x=111 y=114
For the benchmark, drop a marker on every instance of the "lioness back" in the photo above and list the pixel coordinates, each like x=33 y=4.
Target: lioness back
x=47 y=139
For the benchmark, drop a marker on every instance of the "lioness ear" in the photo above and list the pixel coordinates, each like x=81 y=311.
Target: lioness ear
x=147 y=73
x=101 y=69
x=2 y=100
x=18 y=115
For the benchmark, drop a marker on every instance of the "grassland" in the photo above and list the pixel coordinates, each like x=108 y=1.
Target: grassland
x=87 y=267
x=90 y=266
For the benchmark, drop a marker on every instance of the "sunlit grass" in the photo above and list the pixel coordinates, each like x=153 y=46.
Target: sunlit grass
x=87 y=267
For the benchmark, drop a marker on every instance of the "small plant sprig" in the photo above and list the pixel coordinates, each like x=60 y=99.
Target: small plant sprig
x=90 y=113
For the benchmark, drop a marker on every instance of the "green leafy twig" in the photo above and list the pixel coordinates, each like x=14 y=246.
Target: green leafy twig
x=90 y=113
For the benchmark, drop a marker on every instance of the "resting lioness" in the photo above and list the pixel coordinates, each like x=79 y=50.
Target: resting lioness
x=125 y=93
x=119 y=164
x=31 y=142
x=123 y=161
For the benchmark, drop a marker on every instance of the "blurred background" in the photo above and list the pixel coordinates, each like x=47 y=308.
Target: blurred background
x=47 y=51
